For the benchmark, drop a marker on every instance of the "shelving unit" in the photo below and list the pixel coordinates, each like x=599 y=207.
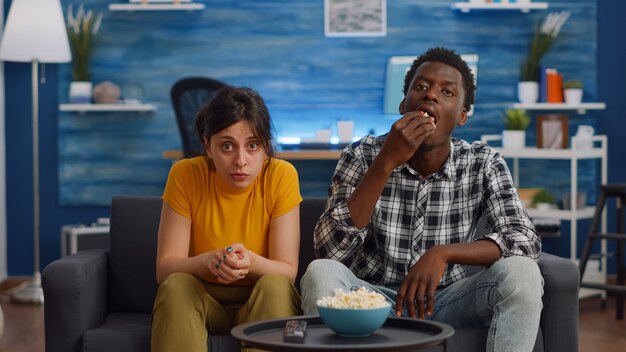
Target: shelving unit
x=82 y=108
x=181 y=6
x=599 y=151
x=580 y=108
x=466 y=7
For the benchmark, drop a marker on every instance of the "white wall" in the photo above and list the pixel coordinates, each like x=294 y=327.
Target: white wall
x=3 y=204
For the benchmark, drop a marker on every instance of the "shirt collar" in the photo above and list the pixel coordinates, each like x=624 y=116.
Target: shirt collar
x=448 y=169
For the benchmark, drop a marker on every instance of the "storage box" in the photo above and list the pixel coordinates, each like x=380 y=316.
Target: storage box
x=79 y=237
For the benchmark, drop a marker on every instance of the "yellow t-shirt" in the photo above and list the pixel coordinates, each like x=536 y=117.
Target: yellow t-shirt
x=221 y=214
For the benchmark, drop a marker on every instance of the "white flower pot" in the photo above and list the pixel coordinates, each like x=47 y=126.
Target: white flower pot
x=573 y=95
x=513 y=139
x=80 y=92
x=528 y=92
x=544 y=206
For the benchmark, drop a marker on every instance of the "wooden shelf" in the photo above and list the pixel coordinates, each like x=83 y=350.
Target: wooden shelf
x=182 y=6
x=107 y=107
x=580 y=108
x=466 y=7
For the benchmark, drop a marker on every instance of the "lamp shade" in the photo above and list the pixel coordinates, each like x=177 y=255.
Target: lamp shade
x=35 y=31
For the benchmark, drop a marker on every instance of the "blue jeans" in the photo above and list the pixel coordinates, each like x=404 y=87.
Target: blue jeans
x=506 y=297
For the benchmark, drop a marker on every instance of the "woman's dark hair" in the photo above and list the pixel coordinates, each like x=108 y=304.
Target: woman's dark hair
x=451 y=58
x=231 y=105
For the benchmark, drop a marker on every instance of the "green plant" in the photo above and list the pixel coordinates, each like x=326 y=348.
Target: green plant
x=573 y=83
x=542 y=41
x=82 y=29
x=516 y=119
x=543 y=196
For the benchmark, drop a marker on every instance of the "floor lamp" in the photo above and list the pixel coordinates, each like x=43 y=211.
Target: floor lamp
x=35 y=32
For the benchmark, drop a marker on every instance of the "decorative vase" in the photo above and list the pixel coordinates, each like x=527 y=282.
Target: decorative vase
x=573 y=95
x=80 y=92
x=513 y=139
x=106 y=93
x=528 y=91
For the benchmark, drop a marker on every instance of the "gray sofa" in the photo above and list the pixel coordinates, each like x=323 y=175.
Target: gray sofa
x=99 y=300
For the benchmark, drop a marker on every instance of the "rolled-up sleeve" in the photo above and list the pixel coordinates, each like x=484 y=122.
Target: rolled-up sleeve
x=506 y=215
x=336 y=237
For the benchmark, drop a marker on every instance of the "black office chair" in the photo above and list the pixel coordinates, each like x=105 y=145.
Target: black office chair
x=188 y=96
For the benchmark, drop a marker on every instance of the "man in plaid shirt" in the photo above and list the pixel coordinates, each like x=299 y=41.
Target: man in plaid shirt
x=403 y=210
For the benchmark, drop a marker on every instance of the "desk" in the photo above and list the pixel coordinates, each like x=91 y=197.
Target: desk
x=311 y=154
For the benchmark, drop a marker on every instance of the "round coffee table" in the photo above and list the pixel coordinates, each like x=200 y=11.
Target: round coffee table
x=398 y=334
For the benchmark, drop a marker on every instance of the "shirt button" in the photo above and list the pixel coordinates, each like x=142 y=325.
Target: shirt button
x=416 y=248
x=423 y=182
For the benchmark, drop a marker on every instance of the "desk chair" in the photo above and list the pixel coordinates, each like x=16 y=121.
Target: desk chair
x=188 y=96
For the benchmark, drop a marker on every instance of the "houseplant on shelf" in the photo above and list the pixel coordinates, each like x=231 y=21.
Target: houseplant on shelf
x=82 y=30
x=573 y=91
x=543 y=38
x=515 y=123
x=543 y=200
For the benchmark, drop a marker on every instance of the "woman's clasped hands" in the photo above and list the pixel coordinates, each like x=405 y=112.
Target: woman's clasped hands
x=230 y=264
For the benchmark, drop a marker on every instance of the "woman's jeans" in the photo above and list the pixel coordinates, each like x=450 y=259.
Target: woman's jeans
x=506 y=297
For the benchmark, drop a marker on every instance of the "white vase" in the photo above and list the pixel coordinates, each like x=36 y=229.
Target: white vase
x=513 y=139
x=573 y=95
x=80 y=92
x=528 y=91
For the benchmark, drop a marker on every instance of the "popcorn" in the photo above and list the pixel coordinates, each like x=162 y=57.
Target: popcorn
x=358 y=299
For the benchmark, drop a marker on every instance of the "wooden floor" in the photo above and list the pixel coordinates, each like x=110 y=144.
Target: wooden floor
x=24 y=327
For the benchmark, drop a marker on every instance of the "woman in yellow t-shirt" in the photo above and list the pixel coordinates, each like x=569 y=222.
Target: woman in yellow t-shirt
x=229 y=235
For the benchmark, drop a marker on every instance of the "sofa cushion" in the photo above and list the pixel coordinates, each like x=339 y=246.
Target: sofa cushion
x=123 y=332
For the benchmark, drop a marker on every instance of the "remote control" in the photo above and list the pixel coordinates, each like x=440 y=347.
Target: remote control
x=294 y=331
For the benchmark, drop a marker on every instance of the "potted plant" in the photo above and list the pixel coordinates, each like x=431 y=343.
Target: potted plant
x=573 y=91
x=515 y=123
x=543 y=38
x=543 y=199
x=82 y=29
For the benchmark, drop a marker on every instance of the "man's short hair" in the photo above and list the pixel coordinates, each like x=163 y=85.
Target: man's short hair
x=451 y=58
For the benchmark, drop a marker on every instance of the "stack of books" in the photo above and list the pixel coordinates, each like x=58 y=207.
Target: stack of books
x=550 y=86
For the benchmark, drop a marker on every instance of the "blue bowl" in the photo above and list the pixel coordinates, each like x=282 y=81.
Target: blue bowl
x=352 y=322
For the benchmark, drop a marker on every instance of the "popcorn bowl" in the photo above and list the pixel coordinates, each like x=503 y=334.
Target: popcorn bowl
x=354 y=322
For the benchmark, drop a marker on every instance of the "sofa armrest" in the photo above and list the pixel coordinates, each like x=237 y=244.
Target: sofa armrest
x=559 y=317
x=75 y=298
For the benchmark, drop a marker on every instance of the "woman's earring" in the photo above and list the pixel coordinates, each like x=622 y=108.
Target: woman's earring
x=266 y=157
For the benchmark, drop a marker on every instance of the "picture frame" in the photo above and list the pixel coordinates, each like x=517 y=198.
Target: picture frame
x=552 y=131
x=355 y=18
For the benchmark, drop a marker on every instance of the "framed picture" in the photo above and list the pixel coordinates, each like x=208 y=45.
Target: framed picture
x=552 y=131
x=355 y=18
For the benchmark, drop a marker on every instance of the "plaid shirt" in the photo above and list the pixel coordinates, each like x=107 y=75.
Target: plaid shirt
x=414 y=214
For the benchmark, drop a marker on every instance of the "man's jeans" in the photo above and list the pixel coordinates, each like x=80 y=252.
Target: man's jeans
x=505 y=296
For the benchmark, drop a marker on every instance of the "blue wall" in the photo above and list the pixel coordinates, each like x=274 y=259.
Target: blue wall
x=277 y=47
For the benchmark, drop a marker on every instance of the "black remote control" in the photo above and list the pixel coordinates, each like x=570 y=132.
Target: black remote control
x=294 y=331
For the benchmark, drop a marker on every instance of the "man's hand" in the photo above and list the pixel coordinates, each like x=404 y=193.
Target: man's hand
x=418 y=288
x=405 y=136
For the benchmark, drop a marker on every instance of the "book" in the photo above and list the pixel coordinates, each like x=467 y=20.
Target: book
x=554 y=89
x=543 y=90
